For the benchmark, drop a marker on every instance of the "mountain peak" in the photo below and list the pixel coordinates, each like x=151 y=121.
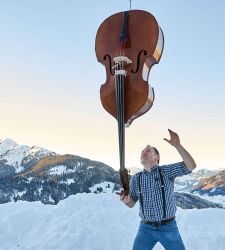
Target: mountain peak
x=7 y=144
x=18 y=157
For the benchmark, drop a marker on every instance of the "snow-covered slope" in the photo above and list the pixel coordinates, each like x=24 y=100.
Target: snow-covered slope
x=213 y=185
x=220 y=199
x=6 y=145
x=185 y=183
x=188 y=182
x=19 y=156
x=96 y=222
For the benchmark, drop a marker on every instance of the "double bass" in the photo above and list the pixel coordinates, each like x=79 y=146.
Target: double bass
x=128 y=44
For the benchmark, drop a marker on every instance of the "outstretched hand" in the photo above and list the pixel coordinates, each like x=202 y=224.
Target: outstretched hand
x=174 y=139
x=124 y=197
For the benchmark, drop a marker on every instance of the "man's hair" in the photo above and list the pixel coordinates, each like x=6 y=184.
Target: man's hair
x=156 y=151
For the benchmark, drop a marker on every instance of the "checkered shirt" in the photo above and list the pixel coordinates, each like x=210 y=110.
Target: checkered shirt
x=152 y=193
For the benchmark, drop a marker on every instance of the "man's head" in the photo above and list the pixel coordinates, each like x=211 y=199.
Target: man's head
x=150 y=156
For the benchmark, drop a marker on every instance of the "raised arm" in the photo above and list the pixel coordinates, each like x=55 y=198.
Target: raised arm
x=187 y=158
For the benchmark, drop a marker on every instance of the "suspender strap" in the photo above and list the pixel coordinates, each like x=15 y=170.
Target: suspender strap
x=163 y=192
x=139 y=192
x=162 y=189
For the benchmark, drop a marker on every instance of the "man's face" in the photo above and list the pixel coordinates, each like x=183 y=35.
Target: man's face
x=148 y=155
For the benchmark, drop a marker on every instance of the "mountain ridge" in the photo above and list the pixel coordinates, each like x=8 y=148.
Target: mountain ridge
x=39 y=174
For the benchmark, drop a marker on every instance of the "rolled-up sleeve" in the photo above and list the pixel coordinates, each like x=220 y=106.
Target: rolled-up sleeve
x=177 y=169
x=133 y=187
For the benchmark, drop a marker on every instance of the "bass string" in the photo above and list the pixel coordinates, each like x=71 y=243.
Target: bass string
x=118 y=105
x=120 y=117
x=120 y=102
x=119 y=79
x=123 y=113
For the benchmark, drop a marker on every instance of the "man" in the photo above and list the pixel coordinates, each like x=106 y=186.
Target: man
x=156 y=196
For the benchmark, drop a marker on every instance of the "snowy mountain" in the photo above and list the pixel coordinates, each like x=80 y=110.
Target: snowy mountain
x=16 y=158
x=37 y=174
x=213 y=185
x=189 y=201
x=98 y=221
x=34 y=173
x=6 y=145
x=56 y=177
x=186 y=183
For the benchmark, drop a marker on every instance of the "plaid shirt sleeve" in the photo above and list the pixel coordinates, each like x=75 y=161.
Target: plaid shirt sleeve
x=177 y=169
x=133 y=188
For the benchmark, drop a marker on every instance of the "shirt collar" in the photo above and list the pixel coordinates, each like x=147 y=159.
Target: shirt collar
x=153 y=168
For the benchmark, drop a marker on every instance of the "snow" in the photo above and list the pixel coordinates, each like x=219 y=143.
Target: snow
x=97 y=221
x=40 y=190
x=37 y=150
x=213 y=198
x=29 y=178
x=21 y=193
x=61 y=169
x=14 y=154
x=58 y=170
x=69 y=181
x=107 y=187
x=50 y=199
x=185 y=182
x=212 y=190
x=179 y=187
x=6 y=145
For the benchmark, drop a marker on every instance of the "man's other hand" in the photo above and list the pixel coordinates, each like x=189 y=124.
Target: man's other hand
x=174 y=139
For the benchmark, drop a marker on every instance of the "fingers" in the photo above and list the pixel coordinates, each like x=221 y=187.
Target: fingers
x=121 y=194
x=172 y=132
x=123 y=197
x=166 y=140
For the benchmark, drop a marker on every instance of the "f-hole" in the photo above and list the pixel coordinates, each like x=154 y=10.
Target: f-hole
x=144 y=52
x=110 y=63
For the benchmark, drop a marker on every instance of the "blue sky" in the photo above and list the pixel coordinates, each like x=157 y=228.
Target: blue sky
x=50 y=80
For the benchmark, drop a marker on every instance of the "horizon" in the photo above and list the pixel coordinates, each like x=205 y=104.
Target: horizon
x=139 y=167
x=50 y=81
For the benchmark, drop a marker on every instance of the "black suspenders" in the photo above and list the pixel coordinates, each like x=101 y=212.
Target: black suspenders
x=163 y=193
x=162 y=189
x=139 y=192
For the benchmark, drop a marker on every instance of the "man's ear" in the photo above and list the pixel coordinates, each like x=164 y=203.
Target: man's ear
x=158 y=157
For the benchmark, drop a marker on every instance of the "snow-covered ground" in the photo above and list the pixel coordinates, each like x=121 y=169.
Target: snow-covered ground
x=96 y=222
x=213 y=198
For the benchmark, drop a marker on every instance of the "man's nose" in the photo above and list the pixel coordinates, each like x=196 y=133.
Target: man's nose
x=143 y=154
